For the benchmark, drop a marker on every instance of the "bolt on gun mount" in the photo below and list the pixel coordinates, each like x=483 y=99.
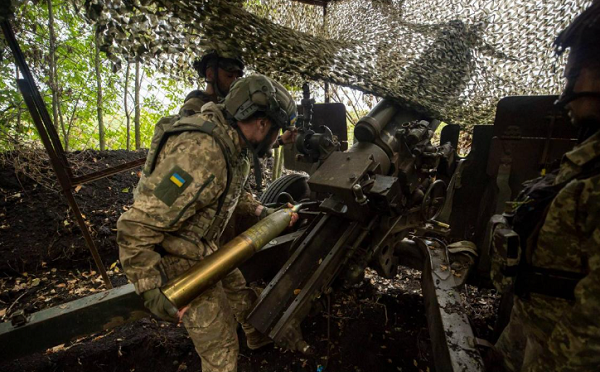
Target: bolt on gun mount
x=389 y=184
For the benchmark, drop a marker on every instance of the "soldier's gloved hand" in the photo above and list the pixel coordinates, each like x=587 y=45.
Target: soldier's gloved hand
x=159 y=305
x=263 y=211
x=289 y=136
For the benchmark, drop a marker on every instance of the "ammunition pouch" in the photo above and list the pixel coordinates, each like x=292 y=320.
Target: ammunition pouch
x=505 y=257
x=510 y=271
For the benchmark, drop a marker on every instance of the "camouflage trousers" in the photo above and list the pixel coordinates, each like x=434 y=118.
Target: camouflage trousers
x=211 y=319
x=525 y=337
x=517 y=346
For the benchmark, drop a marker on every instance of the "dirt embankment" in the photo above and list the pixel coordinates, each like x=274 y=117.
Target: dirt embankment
x=377 y=326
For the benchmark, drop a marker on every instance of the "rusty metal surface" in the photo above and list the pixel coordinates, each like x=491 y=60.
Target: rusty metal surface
x=60 y=324
x=52 y=141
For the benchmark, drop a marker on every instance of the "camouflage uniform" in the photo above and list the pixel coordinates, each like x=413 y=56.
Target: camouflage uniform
x=244 y=215
x=180 y=217
x=194 y=101
x=553 y=334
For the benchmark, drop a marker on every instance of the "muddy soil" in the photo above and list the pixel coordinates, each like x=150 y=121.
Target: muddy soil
x=378 y=326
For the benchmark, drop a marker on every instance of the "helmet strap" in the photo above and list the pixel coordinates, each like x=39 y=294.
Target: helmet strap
x=255 y=157
x=569 y=96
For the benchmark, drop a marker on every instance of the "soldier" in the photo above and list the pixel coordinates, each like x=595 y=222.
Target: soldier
x=555 y=322
x=219 y=70
x=193 y=180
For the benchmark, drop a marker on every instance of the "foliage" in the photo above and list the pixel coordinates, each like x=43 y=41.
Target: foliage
x=76 y=83
x=161 y=92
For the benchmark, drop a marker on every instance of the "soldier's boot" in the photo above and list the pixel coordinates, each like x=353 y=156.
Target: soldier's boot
x=254 y=339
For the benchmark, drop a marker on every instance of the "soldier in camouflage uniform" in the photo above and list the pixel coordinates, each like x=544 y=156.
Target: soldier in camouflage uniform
x=219 y=70
x=193 y=180
x=547 y=333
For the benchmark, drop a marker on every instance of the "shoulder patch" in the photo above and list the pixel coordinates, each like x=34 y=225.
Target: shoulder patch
x=172 y=185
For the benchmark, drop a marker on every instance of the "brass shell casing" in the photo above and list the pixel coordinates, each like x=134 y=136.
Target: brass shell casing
x=193 y=282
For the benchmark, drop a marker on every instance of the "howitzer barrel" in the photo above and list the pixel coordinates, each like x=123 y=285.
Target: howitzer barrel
x=186 y=287
x=369 y=127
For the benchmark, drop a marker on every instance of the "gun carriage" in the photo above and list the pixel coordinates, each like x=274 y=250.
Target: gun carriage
x=392 y=198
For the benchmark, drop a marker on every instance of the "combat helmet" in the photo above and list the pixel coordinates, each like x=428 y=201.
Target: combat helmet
x=212 y=58
x=258 y=93
x=581 y=37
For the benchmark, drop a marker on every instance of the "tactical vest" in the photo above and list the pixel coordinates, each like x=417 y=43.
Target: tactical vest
x=514 y=241
x=209 y=223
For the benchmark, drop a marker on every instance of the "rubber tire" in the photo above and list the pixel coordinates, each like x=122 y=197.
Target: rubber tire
x=293 y=184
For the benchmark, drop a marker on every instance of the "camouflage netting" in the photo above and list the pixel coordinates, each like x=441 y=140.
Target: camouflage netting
x=451 y=59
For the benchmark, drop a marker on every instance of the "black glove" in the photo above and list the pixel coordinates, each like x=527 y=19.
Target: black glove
x=159 y=305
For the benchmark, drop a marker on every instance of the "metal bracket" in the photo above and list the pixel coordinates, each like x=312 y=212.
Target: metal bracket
x=18 y=318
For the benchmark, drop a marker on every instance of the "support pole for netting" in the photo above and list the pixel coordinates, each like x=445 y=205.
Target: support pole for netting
x=51 y=141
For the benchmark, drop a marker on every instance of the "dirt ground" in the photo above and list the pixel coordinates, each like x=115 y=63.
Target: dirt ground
x=378 y=326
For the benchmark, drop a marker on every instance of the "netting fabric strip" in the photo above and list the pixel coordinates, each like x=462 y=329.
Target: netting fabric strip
x=450 y=59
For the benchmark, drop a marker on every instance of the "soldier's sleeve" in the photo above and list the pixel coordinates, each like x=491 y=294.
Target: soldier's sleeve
x=190 y=174
x=575 y=341
x=247 y=204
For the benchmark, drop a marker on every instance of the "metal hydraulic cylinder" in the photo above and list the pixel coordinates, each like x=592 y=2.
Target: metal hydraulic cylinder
x=192 y=283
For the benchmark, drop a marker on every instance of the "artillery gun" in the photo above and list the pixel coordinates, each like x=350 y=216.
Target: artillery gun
x=381 y=203
x=394 y=198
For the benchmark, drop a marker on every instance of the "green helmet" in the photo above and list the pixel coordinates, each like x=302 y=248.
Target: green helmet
x=582 y=32
x=227 y=61
x=258 y=93
x=581 y=37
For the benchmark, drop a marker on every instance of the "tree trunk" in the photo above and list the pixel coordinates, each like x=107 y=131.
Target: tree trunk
x=19 y=124
x=65 y=131
x=138 y=84
x=127 y=115
x=53 y=83
x=99 y=95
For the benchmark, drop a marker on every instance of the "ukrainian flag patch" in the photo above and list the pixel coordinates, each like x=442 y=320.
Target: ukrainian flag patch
x=293 y=119
x=177 y=179
x=172 y=185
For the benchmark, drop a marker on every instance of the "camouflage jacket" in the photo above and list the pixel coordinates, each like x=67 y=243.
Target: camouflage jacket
x=175 y=202
x=194 y=101
x=569 y=240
